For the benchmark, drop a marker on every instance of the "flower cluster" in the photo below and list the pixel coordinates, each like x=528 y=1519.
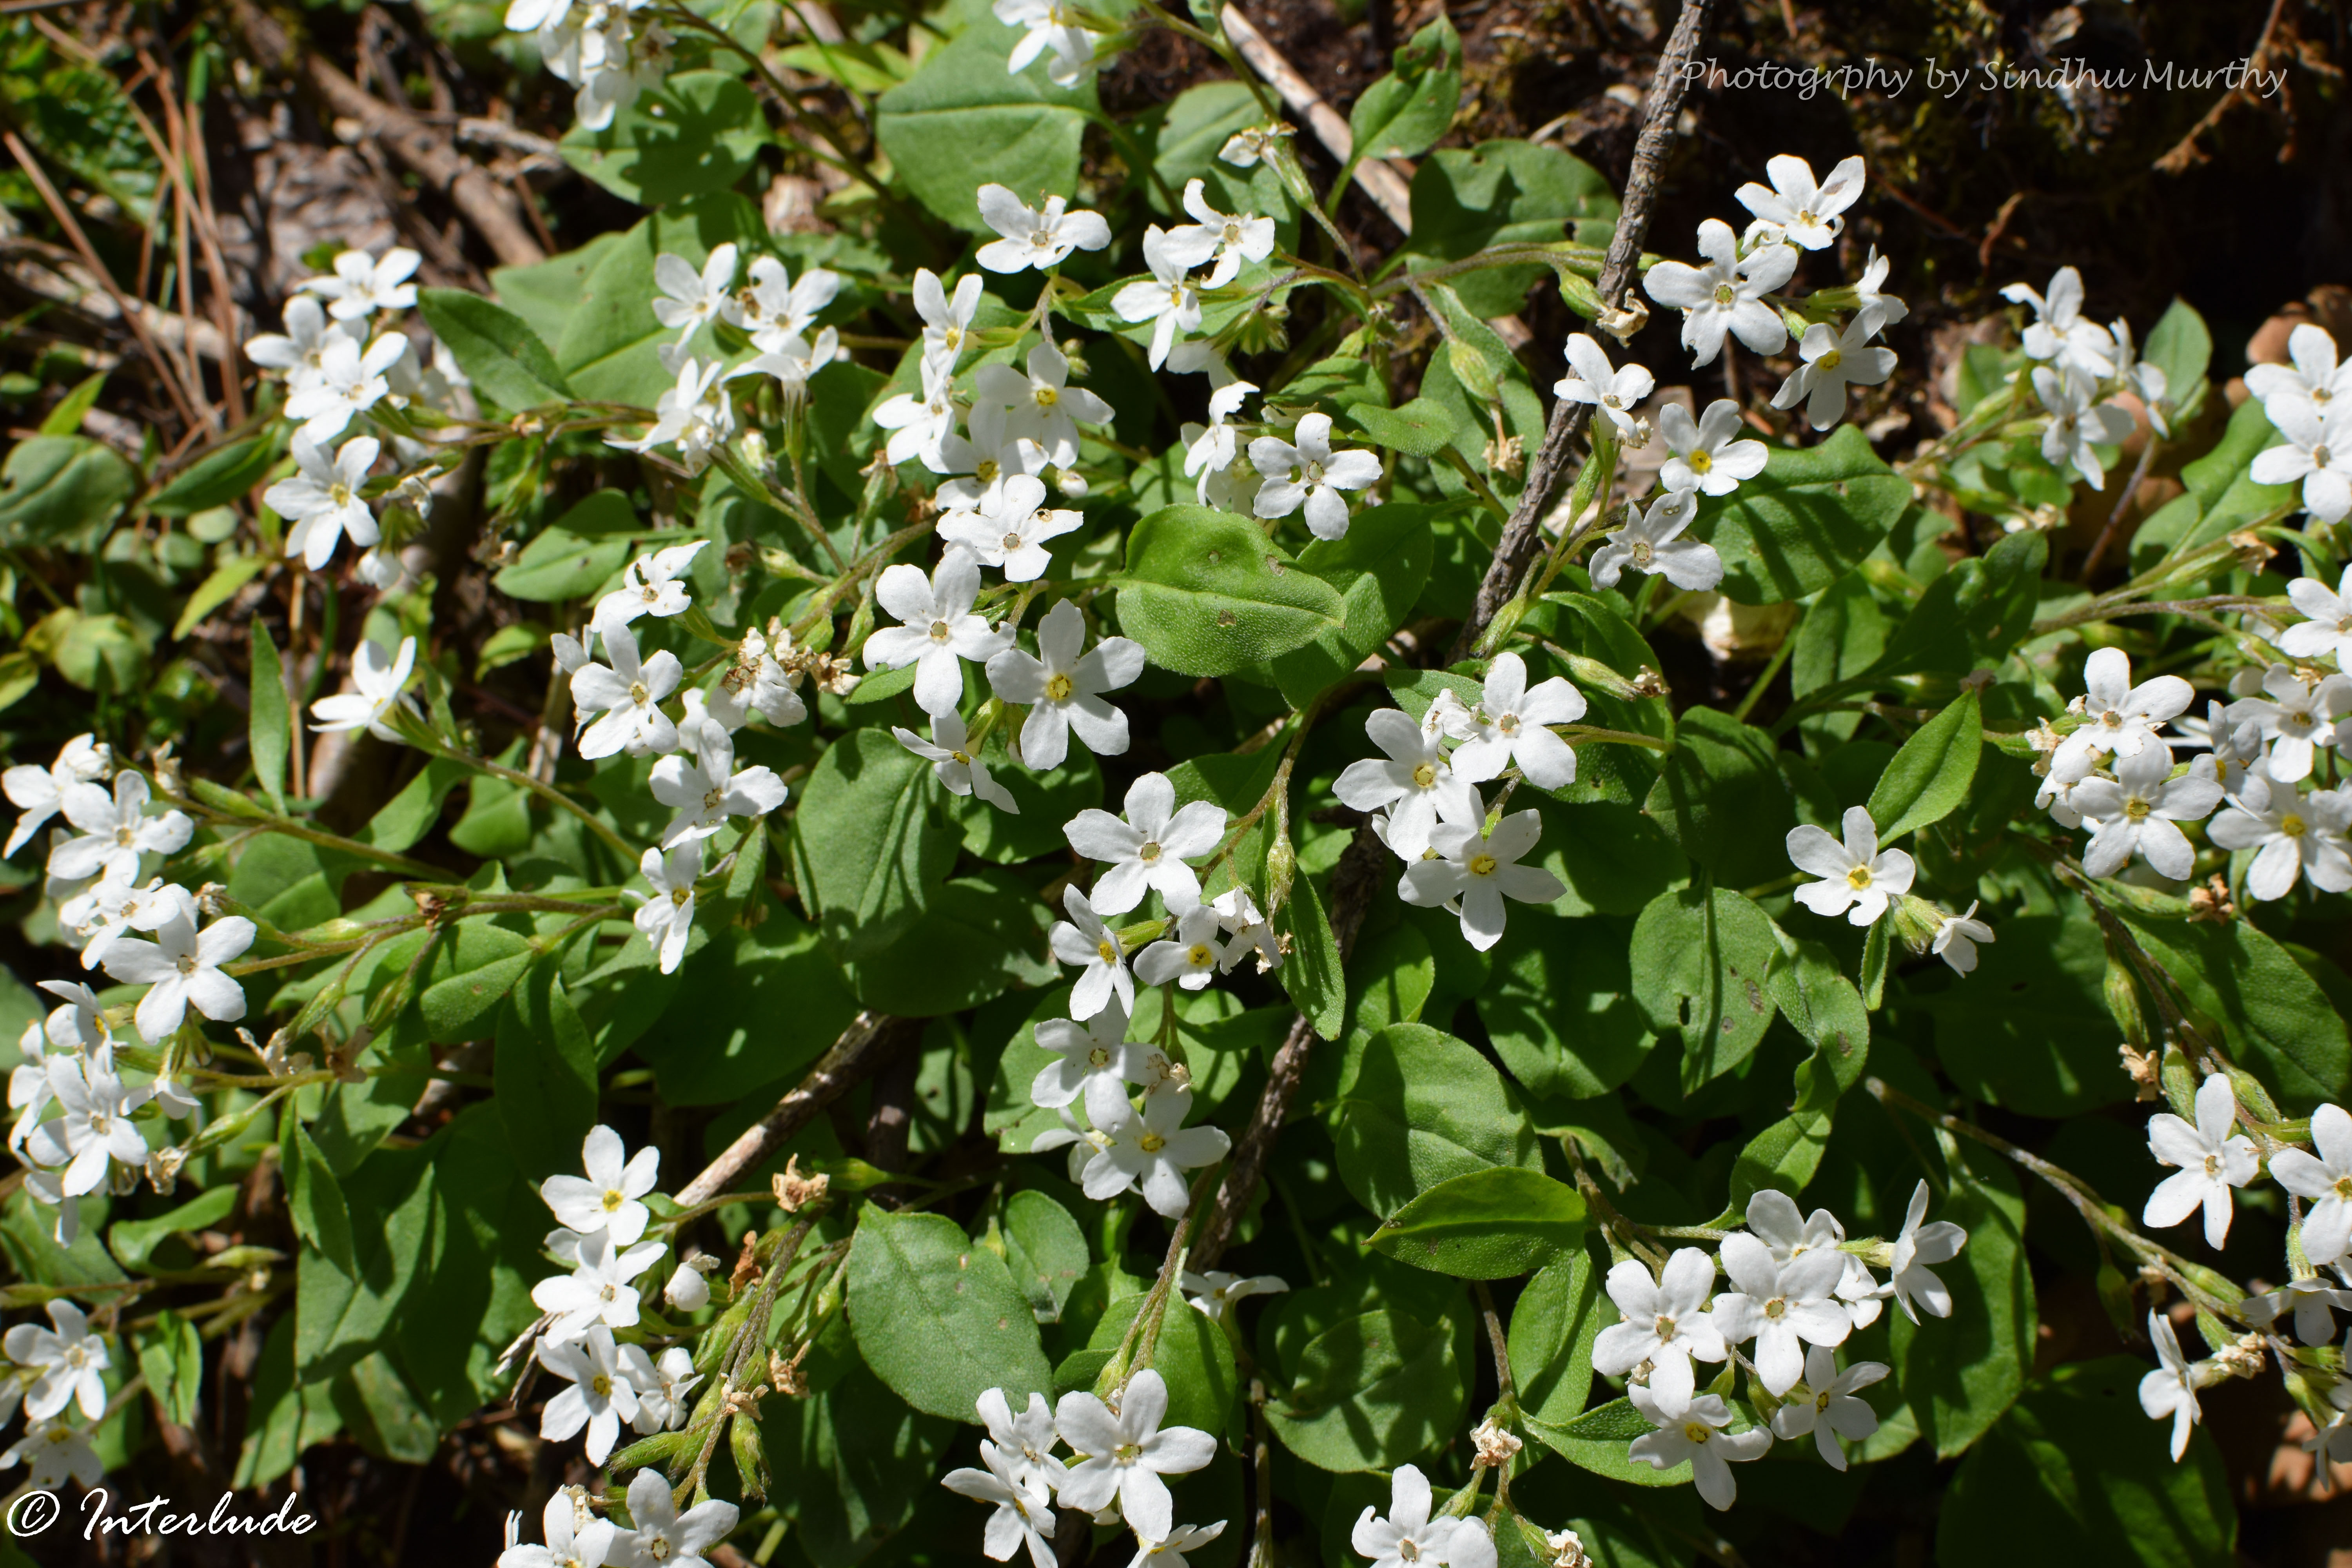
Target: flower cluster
x=603 y=48
x=55 y=1373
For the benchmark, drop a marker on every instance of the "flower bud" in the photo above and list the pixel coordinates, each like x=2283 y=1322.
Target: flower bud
x=1281 y=865
x=687 y=1290
x=2123 y=1002
x=2179 y=1083
x=750 y=1457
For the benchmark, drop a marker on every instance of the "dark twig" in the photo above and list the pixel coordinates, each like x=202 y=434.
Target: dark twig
x=871 y=1040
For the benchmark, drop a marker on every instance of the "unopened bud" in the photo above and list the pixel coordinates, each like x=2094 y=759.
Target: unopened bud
x=2123 y=1002
x=1281 y=866
x=687 y=1290
x=2179 y=1081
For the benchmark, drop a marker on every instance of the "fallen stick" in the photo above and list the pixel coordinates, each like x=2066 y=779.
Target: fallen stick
x=1380 y=181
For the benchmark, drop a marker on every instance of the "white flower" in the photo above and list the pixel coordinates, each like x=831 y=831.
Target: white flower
x=2335 y=1439
x=1124 y=1453
x=597 y=1290
x=1085 y=940
x=1868 y=290
x=1046 y=408
x=651 y=586
x=2061 y=332
x=2296 y=716
x=570 y=1542
x=920 y=426
x=2297 y=833
x=1009 y=529
x=2310 y=1299
x=1666 y=1322
x=1826 y=1405
x=1414 y=785
x=1232 y=240
x=946 y=318
x=662 y=1537
x=39 y=793
x=607 y=1199
x=1168 y=300
x=1024 y=1507
x=1188 y=956
x=70 y=1360
x=1064 y=688
x=940 y=630
x=2212 y=1161
x=1780 y=1304
x=1245 y=148
x=2325 y=1182
x=1706 y=457
x=2326 y=634
x=690 y=299
x=689 y=1290
x=2315 y=380
x=772 y=696
x=792 y=361
x=1308 y=472
x=2076 y=428
x=1472 y=873
x=1725 y=295
x=322 y=499
x=1247 y=930
x=1025 y=1440
x=94 y=1125
x=1210 y=449
x=1833 y=362
x=954 y=764
x=604 y=1379
x=181 y=968
x=1654 y=542
x=2122 y=718
x=707 y=789
x=379 y=676
x=2145 y=381
x=1150 y=1150
x=1805 y=211
x=1213 y=1294
x=1957 y=937
x=662 y=1402
x=54 y=1450
x=1857 y=876
x=349 y=381
x=668 y=917
x=1615 y=393
x=776 y=311
x=1095 y=1052
x=1915 y=1285
x=1167 y=1550
x=1773 y=1216
x=1509 y=727
x=1408 y=1535
x=694 y=413
x=2171 y=1388
x=1696 y=1431
x=626 y=695
x=627 y=62
x=300 y=349
x=115 y=830
x=361 y=285
x=1146 y=852
x=1034 y=237
x=2136 y=810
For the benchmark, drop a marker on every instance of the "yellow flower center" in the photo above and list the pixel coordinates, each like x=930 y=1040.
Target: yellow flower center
x=1858 y=878
x=938 y=631
x=1200 y=955
x=2137 y=809
x=1482 y=865
x=1011 y=542
x=1725 y=295
x=1048 y=397
x=1701 y=460
x=1696 y=1431
x=1152 y=1142
x=1149 y=852
x=1058 y=688
x=1107 y=951
x=2291 y=825
x=613 y=1199
x=1425 y=774
x=1830 y=361
x=638 y=694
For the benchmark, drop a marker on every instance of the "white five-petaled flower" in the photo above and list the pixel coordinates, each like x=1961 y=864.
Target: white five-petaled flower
x=2121 y=718
x=920 y=428
x=2295 y=715
x=650 y=585
x=955 y=762
x=691 y=300
x=2143 y=380
x=94 y=1124
x=1957 y=937
x=1150 y=1150
x=1229 y=239
x=2323 y=1180
x=115 y=830
x=2315 y=379
x=2311 y=1300
x=2327 y=631
x=707 y=788
x=1026 y=1440
x=775 y=310
x=1210 y=449
x=1214 y=1293
x=1046 y=408
x=1706 y=457
x=39 y=793
x=362 y=285
x=940 y=630
x=1869 y=289
x=598 y=1289
x=1781 y=1306
x=1726 y=294
x=1833 y=362
x=378 y=679
x=572 y=1542
x=1189 y=956
x=661 y=1537
x=1858 y=879
x=1307 y=471
x=1086 y=940
x=1696 y=1432
x=1591 y=379
x=1038 y=237
x=1009 y=528
x=1063 y=687
x=2061 y=332
x=181 y=968
x=2171 y=1389
x=2136 y=812
x=1413 y=784
x=2213 y=1158
x=1826 y=1407
x=1247 y=930
x=1913 y=1284
x=604 y=1379
x=1805 y=211
x=2077 y=428
x=298 y=349
x=1095 y=1051
x=2296 y=833
x=349 y=381
x=70 y=1361
x=607 y=1200
x=626 y=696
x=322 y=499
x=54 y=1449
x=1653 y=541
x=1122 y=1453
x=1146 y=850
x=1408 y=1536
x=666 y=918
x=1772 y=1217
x=1473 y=872
x=1053 y=24
x=1169 y=299
x=947 y=318
x=1666 y=1322
x=1024 y=1504
x=1509 y=726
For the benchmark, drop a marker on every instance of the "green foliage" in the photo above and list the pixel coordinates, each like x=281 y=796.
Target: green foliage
x=939 y=1319
x=1205 y=594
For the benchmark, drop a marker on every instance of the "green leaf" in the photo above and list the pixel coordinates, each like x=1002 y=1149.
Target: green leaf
x=544 y=1073
x=269 y=726
x=1805 y=521
x=2180 y=346
x=66 y=416
x=547 y=293
x=1312 y=973
x=219 y=586
x=1504 y=192
x=56 y=488
x=695 y=134
x=609 y=347
x=1699 y=967
x=19 y=673
x=2273 y=1015
x=1958 y=1373
x=1495 y=1223
x=1721 y=796
x=1207 y=593
x=1972 y=615
x=1598 y=1440
x=938 y=1318
x=342 y=1315
x=1420 y=428
x=1418 y=1106
x=1403 y=113
x=105 y=653
x=850 y=1465
x=495 y=347
x=1930 y=775
x=575 y=555
x=1558 y=1006
x=872 y=846
x=1550 y=1346
x=978 y=937
x=471 y=971
x=314 y=1198
x=133 y=1241
x=1047 y=800
x=410 y=815
x=1370 y=1392
x=1045 y=1251
x=1379 y=569
x=171 y=1359
x=767 y=1002
x=2029 y=1029
x=219 y=477
x=1195 y=1357
x=964 y=122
